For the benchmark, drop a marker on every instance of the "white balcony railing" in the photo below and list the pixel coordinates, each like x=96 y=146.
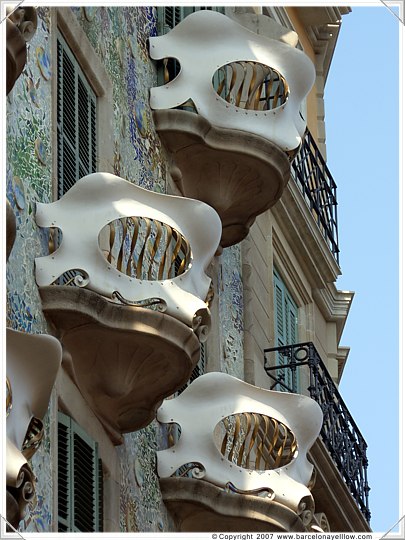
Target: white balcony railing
x=244 y=439
x=234 y=78
x=133 y=246
x=32 y=365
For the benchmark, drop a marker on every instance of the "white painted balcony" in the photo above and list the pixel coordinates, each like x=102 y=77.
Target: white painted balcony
x=32 y=365
x=127 y=290
x=229 y=112
x=245 y=450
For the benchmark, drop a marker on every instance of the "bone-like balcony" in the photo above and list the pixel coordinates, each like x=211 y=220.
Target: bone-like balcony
x=127 y=290
x=32 y=365
x=299 y=368
x=229 y=112
x=246 y=457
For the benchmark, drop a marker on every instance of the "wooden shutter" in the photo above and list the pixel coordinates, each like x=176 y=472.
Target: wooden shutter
x=286 y=327
x=80 y=476
x=76 y=121
x=64 y=474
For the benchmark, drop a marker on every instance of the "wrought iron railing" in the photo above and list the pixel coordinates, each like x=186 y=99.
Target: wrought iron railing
x=339 y=432
x=318 y=188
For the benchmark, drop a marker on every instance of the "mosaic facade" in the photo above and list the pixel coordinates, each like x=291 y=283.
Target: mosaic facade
x=119 y=37
x=231 y=312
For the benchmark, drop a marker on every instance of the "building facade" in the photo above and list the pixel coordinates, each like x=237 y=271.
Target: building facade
x=114 y=90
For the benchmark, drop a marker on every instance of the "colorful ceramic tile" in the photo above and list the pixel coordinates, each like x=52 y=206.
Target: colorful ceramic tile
x=32 y=92
x=89 y=12
x=141 y=118
x=43 y=62
x=119 y=43
x=40 y=151
x=19 y=192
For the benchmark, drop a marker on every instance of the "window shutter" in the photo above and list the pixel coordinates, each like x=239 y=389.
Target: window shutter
x=76 y=120
x=279 y=318
x=80 y=485
x=85 y=482
x=100 y=496
x=64 y=474
x=286 y=328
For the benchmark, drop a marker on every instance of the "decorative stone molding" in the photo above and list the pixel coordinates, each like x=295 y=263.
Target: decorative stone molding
x=264 y=450
x=123 y=242
x=21 y=27
x=32 y=365
x=206 y=41
x=334 y=305
x=123 y=359
x=241 y=175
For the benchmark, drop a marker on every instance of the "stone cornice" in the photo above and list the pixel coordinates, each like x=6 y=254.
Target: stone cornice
x=342 y=355
x=334 y=305
x=322 y=25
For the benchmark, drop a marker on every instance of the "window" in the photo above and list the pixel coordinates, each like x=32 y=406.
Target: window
x=286 y=327
x=169 y=16
x=76 y=121
x=80 y=479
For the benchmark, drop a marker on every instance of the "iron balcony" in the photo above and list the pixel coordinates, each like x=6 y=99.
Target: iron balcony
x=318 y=188
x=290 y=369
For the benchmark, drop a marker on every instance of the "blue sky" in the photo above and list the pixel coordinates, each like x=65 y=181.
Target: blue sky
x=362 y=129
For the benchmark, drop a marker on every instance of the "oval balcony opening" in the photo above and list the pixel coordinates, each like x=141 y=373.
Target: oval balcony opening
x=144 y=248
x=255 y=441
x=251 y=86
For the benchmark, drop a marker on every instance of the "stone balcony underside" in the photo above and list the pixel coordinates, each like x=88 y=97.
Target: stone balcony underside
x=239 y=174
x=125 y=360
x=199 y=506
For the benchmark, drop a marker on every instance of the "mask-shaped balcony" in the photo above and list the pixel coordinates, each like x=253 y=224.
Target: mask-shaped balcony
x=299 y=368
x=128 y=293
x=21 y=27
x=32 y=365
x=229 y=113
x=246 y=457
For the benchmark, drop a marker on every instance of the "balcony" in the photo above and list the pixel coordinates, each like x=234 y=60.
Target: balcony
x=318 y=188
x=127 y=292
x=229 y=114
x=32 y=365
x=295 y=367
x=243 y=466
x=21 y=26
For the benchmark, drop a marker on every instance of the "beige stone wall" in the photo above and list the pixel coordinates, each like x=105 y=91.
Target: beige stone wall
x=267 y=246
